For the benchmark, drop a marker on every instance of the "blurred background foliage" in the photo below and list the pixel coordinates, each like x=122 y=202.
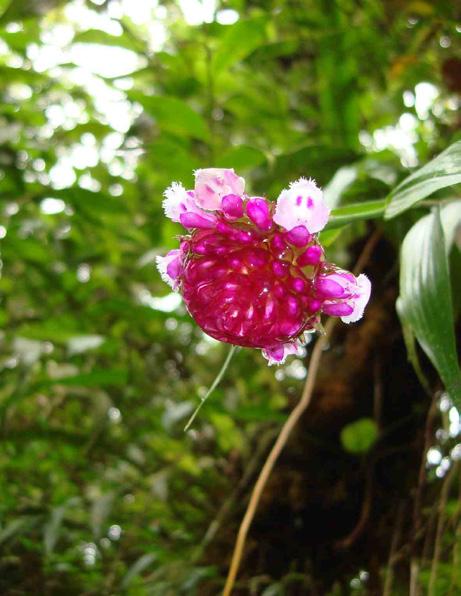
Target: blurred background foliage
x=102 y=104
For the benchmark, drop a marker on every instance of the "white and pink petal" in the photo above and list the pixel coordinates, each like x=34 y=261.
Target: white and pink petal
x=213 y=184
x=170 y=267
x=302 y=204
x=177 y=200
x=278 y=354
x=360 y=300
x=180 y=205
x=343 y=294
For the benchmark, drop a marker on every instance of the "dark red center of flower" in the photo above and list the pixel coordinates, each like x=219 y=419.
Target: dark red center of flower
x=248 y=287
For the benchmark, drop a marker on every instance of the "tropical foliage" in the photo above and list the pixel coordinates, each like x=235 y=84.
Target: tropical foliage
x=102 y=104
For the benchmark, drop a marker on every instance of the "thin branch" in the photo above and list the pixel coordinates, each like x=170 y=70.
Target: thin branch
x=440 y=527
x=212 y=388
x=417 y=522
x=456 y=544
x=290 y=423
x=364 y=516
x=387 y=589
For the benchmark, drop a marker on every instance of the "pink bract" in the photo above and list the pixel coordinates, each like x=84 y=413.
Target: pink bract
x=252 y=273
x=213 y=184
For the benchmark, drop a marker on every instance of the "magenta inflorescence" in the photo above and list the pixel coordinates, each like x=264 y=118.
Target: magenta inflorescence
x=251 y=272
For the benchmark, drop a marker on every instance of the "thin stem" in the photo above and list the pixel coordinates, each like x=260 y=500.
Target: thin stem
x=440 y=528
x=290 y=423
x=417 y=522
x=273 y=456
x=212 y=387
x=387 y=589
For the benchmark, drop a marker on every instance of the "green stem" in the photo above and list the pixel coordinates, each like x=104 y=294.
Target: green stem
x=212 y=387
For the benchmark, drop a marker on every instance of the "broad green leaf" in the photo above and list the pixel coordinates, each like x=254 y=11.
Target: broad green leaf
x=359 y=436
x=356 y=211
x=28 y=249
x=327 y=237
x=425 y=301
x=173 y=115
x=441 y=172
x=59 y=329
x=241 y=158
x=451 y=219
x=238 y=42
x=412 y=353
x=343 y=178
x=272 y=50
x=4 y=5
x=90 y=202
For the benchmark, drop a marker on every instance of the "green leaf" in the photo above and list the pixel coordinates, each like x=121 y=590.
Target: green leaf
x=52 y=529
x=425 y=301
x=410 y=345
x=90 y=202
x=359 y=436
x=356 y=212
x=241 y=158
x=272 y=50
x=137 y=568
x=18 y=526
x=327 y=237
x=173 y=115
x=97 y=36
x=343 y=178
x=441 y=172
x=4 y=5
x=109 y=377
x=238 y=42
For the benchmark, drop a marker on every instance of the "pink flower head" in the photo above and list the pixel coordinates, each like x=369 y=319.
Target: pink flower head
x=252 y=273
x=302 y=204
x=213 y=184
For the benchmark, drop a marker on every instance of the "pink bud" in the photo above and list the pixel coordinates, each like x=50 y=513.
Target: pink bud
x=232 y=206
x=314 y=305
x=225 y=228
x=311 y=256
x=329 y=288
x=338 y=309
x=259 y=213
x=298 y=236
x=280 y=268
x=278 y=244
x=173 y=269
x=298 y=284
x=194 y=220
